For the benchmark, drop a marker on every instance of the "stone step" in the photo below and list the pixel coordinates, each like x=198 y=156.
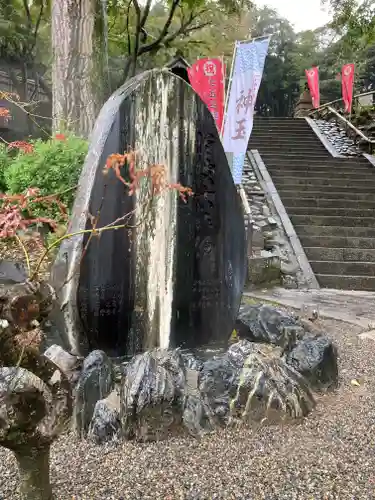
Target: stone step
x=360 y=170
x=289 y=146
x=271 y=156
x=346 y=282
x=334 y=242
x=300 y=137
x=287 y=151
x=340 y=254
x=322 y=220
x=343 y=268
x=274 y=127
x=308 y=189
x=263 y=139
x=367 y=184
x=320 y=193
x=335 y=231
x=347 y=174
x=333 y=211
x=291 y=202
x=333 y=163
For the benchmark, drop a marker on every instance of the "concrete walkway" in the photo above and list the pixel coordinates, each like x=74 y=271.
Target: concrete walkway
x=356 y=307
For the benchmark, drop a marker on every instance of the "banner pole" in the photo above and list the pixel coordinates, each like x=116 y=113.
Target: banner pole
x=256 y=38
x=228 y=89
x=223 y=70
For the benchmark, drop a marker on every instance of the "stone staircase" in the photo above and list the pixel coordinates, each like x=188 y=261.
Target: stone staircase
x=330 y=201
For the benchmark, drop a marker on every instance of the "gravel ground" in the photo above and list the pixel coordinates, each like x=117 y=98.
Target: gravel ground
x=330 y=455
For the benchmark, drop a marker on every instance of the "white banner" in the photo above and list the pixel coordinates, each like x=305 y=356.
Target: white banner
x=248 y=64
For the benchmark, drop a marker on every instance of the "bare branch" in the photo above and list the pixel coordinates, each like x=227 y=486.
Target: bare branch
x=183 y=30
x=156 y=43
x=28 y=13
x=37 y=24
x=137 y=35
x=145 y=13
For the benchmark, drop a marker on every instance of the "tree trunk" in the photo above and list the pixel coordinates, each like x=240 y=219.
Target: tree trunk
x=73 y=96
x=33 y=467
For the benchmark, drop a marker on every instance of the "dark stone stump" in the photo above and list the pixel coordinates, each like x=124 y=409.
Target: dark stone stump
x=177 y=278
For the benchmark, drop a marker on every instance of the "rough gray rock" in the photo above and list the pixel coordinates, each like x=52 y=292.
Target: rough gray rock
x=69 y=364
x=152 y=395
x=96 y=381
x=218 y=381
x=198 y=417
x=105 y=425
x=270 y=390
x=315 y=357
x=267 y=324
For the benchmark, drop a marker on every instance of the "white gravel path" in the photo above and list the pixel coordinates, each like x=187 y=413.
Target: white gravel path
x=331 y=455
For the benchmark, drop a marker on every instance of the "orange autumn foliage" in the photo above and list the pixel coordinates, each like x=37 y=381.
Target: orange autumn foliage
x=156 y=173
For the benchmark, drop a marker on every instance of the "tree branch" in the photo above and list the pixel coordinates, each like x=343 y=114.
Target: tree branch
x=145 y=14
x=137 y=34
x=153 y=45
x=127 y=27
x=183 y=30
x=28 y=14
x=37 y=24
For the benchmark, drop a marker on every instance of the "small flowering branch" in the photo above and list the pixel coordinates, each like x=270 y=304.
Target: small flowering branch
x=16 y=213
x=157 y=176
x=155 y=172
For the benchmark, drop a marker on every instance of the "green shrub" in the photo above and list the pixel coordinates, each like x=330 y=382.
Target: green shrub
x=5 y=160
x=53 y=167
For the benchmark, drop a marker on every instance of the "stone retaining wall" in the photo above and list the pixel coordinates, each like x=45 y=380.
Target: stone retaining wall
x=271 y=257
x=337 y=136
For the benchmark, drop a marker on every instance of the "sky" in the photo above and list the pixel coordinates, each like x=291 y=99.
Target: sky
x=303 y=14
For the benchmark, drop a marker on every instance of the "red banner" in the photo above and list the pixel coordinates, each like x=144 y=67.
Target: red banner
x=207 y=79
x=347 y=81
x=312 y=76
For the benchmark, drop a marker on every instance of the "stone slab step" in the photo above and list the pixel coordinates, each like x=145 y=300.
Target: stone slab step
x=333 y=163
x=289 y=146
x=340 y=254
x=336 y=242
x=333 y=211
x=280 y=156
x=322 y=220
x=343 y=268
x=328 y=173
x=280 y=151
x=290 y=129
x=299 y=189
x=335 y=231
x=300 y=138
x=272 y=121
x=263 y=140
x=282 y=180
x=346 y=282
x=322 y=193
x=291 y=202
x=344 y=169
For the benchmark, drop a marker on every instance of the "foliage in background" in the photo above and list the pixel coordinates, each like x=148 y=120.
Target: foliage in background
x=200 y=28
x=53 y=166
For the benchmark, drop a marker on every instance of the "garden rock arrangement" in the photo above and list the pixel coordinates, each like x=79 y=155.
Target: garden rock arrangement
x=272 y=258
x=269 y=375
x=338 y=138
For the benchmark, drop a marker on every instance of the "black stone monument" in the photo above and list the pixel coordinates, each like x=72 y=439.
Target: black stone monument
x=176 y=278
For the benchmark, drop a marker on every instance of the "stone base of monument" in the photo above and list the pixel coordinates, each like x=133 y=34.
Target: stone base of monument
x=268 y=376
